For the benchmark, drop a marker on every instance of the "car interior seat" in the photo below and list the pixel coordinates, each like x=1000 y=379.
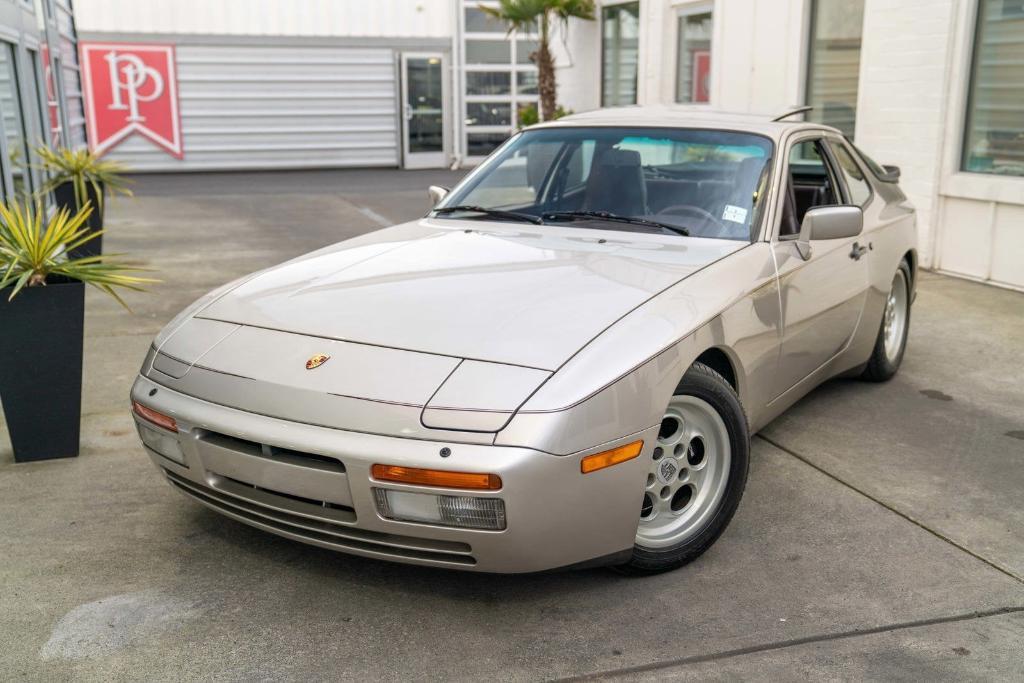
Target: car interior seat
x=616 y=184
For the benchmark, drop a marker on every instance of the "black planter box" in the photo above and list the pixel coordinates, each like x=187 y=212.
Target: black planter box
x=41 y=369
x=64 y=197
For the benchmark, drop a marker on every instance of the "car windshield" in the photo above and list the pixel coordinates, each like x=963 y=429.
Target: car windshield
x=705 y=183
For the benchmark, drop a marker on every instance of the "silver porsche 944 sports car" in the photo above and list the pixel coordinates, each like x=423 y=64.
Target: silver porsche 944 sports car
x=560 y=365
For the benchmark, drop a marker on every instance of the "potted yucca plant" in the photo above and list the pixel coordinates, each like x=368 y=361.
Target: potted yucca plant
x=42 y=302
x=77 y=177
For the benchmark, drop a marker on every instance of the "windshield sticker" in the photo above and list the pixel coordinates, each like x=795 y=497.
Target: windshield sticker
x=736 y=214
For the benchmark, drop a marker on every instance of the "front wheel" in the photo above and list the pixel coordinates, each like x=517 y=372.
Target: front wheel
x=892 y=333
x=697 y=474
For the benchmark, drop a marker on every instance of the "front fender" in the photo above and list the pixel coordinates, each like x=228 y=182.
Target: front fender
x=621 y=382
x=629 y=405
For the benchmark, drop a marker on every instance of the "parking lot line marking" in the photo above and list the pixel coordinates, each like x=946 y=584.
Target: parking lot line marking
x=995 y=565
x=375 y=217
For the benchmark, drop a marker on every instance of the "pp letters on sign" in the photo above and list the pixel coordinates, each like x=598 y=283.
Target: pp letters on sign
x=131 y=88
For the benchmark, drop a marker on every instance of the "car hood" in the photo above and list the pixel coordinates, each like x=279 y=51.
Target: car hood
x=499 y=292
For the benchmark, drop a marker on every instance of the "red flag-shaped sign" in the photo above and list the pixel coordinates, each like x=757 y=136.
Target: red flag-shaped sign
x=130 y=88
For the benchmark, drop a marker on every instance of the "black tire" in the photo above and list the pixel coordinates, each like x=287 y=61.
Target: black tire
x=880 y=367
x=704 y=383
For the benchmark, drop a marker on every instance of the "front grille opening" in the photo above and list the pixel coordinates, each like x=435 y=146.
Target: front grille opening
x=261 y=450
x=282 y=494
x=276 y=452
x=233 y=443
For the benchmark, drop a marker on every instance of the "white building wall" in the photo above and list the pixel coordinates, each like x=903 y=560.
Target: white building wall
x=758 y=54
x=578 y=65
x=914 y=75
x=760 y=48
x=904 y=98
x=349 y=18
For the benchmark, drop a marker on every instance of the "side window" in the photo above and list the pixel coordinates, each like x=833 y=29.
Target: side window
x=856 y=183
x=567 y=185
x=515 y=182
x=811 y=184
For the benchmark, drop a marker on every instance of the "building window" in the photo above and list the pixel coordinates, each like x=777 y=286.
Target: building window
x=693 y=55
x=478 y=21
x=994 y=134
x=14 y=123
x=526 y=82
x=619 y=53
x=833 y=66
x=488 y=52
x=525 y=48
x=488 y=83
x=488 y=114
x=37 y=94
x=500 y=79
x=482 y=144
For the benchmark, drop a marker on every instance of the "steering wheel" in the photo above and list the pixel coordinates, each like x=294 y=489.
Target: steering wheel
x=703 y=215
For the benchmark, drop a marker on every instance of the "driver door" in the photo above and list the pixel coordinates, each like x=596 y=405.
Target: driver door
x=822 y=297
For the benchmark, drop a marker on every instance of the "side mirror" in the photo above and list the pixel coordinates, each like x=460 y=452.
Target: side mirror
x=829 y=223
x=436 y=194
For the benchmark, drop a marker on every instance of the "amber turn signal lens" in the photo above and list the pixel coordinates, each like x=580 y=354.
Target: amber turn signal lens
x=598 y=461
x=450 y=480
x=150 y=415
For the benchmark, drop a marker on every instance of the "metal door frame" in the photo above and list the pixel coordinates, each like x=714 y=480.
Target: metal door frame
x=414 y=160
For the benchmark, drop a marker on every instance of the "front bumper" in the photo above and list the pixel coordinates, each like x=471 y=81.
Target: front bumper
x=319 y=489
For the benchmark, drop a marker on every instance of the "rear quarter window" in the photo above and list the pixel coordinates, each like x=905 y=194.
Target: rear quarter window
x=856 y=183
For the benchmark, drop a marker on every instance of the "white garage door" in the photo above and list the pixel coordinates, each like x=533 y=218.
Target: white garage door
x=269 y=107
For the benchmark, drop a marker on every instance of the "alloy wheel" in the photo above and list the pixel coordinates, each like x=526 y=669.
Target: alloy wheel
x=894 y=322
x=688 y=473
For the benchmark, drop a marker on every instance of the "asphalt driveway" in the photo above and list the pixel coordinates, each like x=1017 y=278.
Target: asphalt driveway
x=880 y=536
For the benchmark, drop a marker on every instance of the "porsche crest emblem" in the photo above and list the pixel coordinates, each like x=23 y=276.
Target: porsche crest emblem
x=316 y=361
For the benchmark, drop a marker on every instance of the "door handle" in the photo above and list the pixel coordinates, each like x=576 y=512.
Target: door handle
x=857 y=251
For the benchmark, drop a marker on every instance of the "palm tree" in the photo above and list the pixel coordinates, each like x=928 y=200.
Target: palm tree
x=540 y=15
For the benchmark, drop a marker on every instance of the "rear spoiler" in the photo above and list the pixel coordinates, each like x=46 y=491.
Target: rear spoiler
x=891 y=175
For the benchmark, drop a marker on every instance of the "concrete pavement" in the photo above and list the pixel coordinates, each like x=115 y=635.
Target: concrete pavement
x=879 y=537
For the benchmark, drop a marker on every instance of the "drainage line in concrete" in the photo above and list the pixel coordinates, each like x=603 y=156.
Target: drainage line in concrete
x=781 y=645
x=922 y=525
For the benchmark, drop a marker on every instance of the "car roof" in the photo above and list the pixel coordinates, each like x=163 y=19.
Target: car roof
x=682 y=116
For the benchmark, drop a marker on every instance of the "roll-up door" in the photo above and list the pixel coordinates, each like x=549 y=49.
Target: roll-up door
x=268 y=107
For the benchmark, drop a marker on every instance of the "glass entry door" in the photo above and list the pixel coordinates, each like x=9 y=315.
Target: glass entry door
x=423 y=99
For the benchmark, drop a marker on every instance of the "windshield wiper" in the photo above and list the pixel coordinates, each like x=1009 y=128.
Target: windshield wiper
x=606 y=216
x=495 y=213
